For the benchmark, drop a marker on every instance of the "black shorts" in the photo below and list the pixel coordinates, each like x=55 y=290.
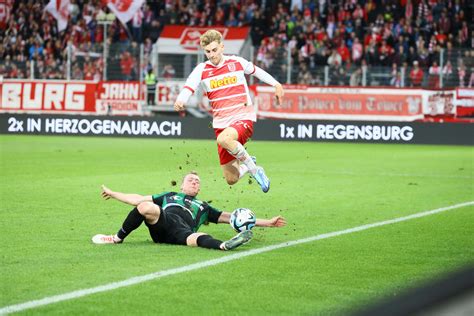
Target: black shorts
x=171 y=228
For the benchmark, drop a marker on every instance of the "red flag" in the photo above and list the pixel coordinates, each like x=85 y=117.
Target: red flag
x=124 y=9
x=5 y=9
x=59 y=9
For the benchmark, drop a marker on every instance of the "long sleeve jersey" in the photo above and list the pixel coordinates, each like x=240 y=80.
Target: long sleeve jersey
x=227 y=88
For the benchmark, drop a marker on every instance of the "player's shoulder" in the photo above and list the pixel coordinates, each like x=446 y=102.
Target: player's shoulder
x=236 y=58
x=163 y=193
x=200 y=66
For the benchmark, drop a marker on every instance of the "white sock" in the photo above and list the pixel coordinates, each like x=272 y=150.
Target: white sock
x=243 y=156
x=243 y=169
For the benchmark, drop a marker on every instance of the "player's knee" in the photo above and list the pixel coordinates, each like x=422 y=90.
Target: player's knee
x=192 y=239
x=231 y=179
x=148 y=208
x=223 y=140
x=220 y=140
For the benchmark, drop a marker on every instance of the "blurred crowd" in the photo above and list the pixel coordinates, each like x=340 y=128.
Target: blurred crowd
x=351 y=37
x=354 y=35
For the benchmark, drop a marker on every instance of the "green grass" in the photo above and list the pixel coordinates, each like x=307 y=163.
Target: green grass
x=51 y=207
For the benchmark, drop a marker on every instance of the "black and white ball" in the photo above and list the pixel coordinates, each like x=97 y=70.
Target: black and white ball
x=242 y=219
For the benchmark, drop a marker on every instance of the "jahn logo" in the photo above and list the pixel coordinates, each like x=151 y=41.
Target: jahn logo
x=189 y=38
x=413 y=105
x=217 y=83
x=121 y=5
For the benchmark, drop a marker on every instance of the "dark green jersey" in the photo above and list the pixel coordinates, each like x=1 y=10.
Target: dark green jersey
x=198 y=210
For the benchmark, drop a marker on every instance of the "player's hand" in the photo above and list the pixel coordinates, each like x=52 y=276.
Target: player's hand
x=279 y=94
x=178 y=106
x=106 y=192
x=277 y=221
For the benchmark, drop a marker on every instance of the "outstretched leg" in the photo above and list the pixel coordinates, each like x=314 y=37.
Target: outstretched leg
x=206 y=241
x=146 y=211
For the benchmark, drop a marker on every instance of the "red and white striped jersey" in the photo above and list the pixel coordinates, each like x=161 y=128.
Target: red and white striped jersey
x=226 y=88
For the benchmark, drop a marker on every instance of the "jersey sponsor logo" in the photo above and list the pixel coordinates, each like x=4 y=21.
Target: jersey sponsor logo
x=228 y=68
x=217 y=83
x=226 y=92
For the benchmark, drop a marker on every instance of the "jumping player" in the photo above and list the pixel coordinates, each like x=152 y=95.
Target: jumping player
x=175 y=217
x=223 y=79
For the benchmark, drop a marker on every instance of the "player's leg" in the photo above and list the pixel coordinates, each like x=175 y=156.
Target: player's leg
x=206 y=241
x=231 y=171
x=231 y=139
x=203 y=240
x=146 y=211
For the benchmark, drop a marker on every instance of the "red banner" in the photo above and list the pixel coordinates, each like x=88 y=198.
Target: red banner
x=5 y=12
x=113 y=98
x=341 y=103
x=119 y=98
x=47 y=96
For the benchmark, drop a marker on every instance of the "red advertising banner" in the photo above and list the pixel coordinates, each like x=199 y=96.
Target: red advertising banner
x=301 y=102
x=47 y=96
x=119 y=97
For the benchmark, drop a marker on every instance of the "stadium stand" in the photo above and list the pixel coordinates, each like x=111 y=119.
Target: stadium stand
x=391 y=42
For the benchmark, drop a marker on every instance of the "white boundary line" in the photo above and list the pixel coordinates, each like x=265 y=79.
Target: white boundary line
x=208 y=263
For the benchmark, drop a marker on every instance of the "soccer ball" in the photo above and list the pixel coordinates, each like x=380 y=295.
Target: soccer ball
x=242 y=219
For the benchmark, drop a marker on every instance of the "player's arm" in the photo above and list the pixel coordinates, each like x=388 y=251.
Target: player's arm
x=192 y=83
x=224 y=218
x=128 y=198
x=262 y=75
x=277 y=221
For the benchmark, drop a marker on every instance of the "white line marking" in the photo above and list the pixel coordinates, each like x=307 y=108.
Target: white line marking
x=389 y=174
x=208 y=263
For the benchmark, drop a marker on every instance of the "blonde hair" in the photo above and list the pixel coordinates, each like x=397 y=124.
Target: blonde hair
x=209 y=37
x=187 y=174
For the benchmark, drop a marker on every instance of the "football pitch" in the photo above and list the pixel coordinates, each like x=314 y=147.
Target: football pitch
x=327 y=260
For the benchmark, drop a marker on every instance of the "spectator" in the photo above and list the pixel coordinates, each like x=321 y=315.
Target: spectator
x=343 y=51
x=137 y=23
x=385 y=53
x=335 y=59
x=447 y=70
x=36 y=49
x=433 y=79
x=74 y=11
x=168 y=72
x=461 y=73
x=471 y=80
x=357 y=50
x=257 y=30
x=126 y=65
x=416 y=75
x=150 y=81
x=356 y=78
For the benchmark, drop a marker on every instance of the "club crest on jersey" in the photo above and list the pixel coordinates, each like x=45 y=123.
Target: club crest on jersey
x=217 y=83
x=231 y=67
